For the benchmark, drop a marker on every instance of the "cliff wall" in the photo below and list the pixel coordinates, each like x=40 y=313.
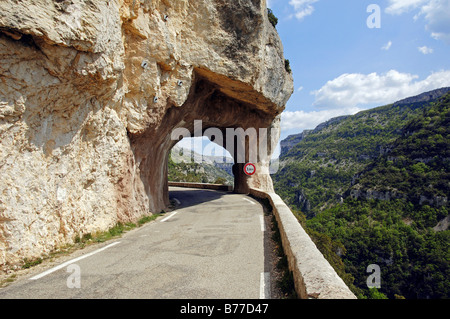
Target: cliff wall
x=90 y=92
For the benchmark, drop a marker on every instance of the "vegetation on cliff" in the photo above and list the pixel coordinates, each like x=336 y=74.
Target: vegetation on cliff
x=373 y=189
x=272 y=18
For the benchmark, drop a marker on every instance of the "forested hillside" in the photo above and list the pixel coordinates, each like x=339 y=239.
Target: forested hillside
x=373 y=189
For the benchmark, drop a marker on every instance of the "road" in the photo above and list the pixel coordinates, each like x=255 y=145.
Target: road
x=210 y=247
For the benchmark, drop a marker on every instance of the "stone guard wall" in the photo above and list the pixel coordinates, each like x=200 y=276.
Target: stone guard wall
x=314 y=278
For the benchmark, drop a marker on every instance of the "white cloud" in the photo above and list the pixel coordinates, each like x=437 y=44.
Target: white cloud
x=350 y=93
x=356 y=90
x=425 y=50
x=203 y=146
x=301 y=120
x=303 y=8
x=402 y=6
x=300 y=89
x=387 y=46
x=436 y=14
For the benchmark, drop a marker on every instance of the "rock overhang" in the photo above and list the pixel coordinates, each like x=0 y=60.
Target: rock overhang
x=90 y=91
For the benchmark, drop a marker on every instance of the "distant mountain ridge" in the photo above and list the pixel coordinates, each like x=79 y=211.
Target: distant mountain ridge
x=373 y=188
x=294 y=139
x=416 y=166
x=425 y=97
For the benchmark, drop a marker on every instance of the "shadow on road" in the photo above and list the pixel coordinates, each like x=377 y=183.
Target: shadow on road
x=191 y=197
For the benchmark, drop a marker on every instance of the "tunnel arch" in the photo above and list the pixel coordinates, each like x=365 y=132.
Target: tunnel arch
x=218 y=104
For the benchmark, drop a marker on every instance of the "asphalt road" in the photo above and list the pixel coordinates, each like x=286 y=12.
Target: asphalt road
x=211 y=246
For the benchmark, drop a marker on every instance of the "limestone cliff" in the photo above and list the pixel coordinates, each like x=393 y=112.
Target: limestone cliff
x=90 y=92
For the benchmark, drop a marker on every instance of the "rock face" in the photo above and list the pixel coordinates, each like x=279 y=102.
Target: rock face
x=90 y=92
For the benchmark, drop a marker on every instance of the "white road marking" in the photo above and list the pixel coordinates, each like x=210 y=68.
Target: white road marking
x=264 y=287
x=248 y=200
x=67 y=263
x=168 y=217
x=263 y=225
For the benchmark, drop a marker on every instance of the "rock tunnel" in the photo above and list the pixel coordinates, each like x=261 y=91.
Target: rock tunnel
x=219 y=114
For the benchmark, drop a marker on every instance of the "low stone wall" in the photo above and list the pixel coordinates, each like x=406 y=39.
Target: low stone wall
x=314 y=277
x=218 y=187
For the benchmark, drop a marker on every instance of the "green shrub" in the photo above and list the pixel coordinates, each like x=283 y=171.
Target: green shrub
x=28 y=263
x=287 y=66
x=272 y=18
x=221 y=181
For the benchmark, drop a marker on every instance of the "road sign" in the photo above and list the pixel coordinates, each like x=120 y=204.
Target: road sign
x=249 y=169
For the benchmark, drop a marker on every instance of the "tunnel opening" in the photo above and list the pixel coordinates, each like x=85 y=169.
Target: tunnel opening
x=223 y=112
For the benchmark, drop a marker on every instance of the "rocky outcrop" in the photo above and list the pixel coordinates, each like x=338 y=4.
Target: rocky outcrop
x=357 y=192
x=90 y=92
x=442 y=225
x=423 y=98
x=369 y=194
x=289 y=142
x=302 y=201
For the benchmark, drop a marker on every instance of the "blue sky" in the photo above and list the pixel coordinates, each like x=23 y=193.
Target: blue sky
x=342 y=66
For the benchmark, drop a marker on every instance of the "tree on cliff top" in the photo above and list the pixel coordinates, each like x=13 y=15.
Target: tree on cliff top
x=272 y=18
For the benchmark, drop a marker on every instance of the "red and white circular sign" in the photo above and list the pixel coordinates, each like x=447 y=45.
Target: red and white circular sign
x=249 y=169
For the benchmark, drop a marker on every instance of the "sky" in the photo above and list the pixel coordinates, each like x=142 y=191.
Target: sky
x=352 y=55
